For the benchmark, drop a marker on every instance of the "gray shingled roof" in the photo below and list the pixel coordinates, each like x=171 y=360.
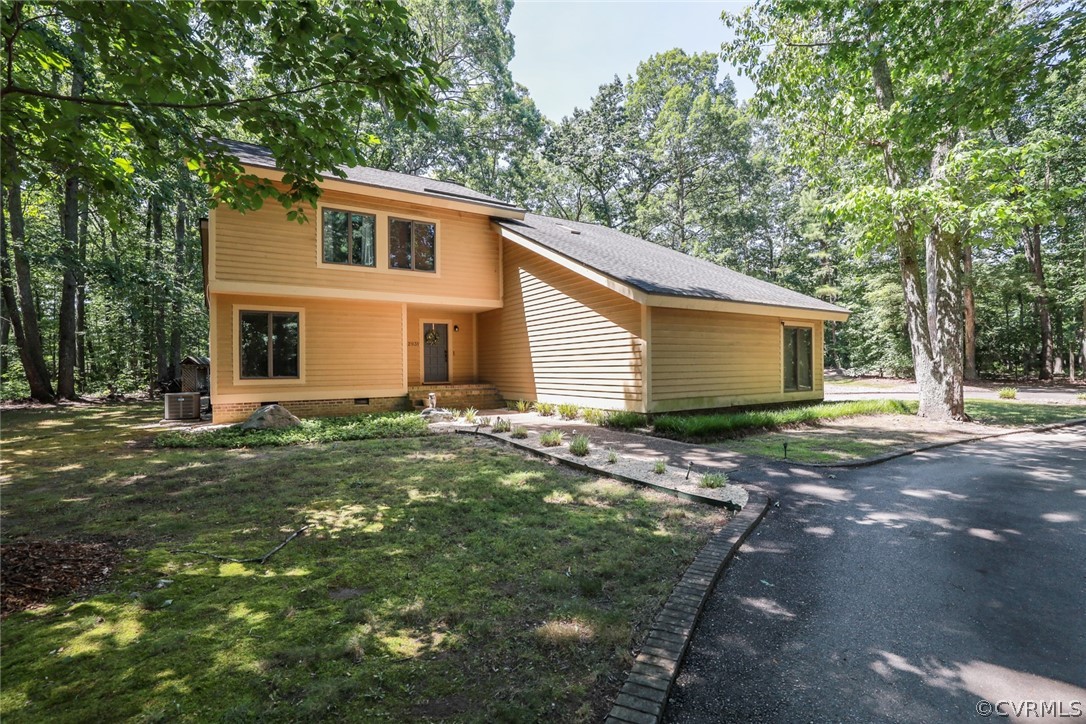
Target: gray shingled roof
x=253 y=155
x=655 y=269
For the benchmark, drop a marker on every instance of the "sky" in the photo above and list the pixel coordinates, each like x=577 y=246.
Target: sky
x=566 y=50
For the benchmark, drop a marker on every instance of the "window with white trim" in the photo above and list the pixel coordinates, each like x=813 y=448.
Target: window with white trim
x=797 y=359
x=349 y=237
x=269 y=345
x=412 y=245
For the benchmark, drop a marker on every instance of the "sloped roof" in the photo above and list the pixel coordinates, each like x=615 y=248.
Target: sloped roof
x=252 y=155
x=655 y=269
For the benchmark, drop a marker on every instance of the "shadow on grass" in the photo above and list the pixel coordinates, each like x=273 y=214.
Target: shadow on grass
x=440 y=578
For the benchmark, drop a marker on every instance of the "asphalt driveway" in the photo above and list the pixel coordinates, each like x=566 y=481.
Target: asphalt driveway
x=908 y=591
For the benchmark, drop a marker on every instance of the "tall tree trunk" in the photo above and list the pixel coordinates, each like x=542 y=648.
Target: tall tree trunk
x=177 y=289
x=69 y=222
x=1057 y=341
x=1031 y=238
x=21 y=312
x=935 y=337
x=970 y=307
x=157 y=294
x=81 y=300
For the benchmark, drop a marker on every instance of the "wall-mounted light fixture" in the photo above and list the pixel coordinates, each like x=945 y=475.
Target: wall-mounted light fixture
x=456 y=327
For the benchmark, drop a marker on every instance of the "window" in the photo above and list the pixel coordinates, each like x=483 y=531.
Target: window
x=412 y=245
x=797 y=358
x=269 y=344
x=349 y=238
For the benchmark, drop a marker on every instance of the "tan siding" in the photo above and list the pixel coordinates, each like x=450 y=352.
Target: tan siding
x=264 y=247
x=710 y=359
x=461 y=343
x=560 y=337
x=350 y=349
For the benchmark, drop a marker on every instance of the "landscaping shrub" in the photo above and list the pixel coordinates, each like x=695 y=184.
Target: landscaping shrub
x=519 y=432
x=470 y=414
x=593 y=416
x=568 y=411
x=624 y=420
x=1081 y=396
x=1007 y=393
x=551 y=438
x=546 y=409
x=502 y=425
x=724 y=425
x=659 y=467
x=522 y=405
x=317 y=429
x=612 y=457
x=714 y=480
x=579 y=445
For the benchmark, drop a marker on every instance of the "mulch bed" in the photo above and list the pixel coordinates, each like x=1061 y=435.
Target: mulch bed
x=33 y=572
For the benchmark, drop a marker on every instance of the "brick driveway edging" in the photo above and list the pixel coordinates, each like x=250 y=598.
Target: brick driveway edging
x=643 y=696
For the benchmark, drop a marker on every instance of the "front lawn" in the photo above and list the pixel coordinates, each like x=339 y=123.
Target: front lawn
x=441 y=578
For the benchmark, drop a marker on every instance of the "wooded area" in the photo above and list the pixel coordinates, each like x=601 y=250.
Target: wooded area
x=921 y=163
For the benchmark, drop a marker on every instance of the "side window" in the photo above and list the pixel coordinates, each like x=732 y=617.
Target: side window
x=797 y=358
x=269 y=344
x=348 y=237
x=412 y=245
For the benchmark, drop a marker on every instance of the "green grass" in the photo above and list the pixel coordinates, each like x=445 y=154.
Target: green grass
x=1021 y=414
x=624 y=420
x=440 y=579
x=733 y=424
x=319 y=429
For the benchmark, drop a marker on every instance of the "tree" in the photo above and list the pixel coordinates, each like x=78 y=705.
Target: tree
x=881 y=100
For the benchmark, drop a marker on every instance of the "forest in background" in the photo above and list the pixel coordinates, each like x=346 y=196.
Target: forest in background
x=109 y=116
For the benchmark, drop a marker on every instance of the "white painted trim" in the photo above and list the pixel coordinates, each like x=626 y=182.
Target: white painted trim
x=381 y=240
x=646 y=356
x=785 y=323
x=288 y=290
x=403 y=341
x=475 y=345
x=236 y=344
x=212 y=346
x=211 y=226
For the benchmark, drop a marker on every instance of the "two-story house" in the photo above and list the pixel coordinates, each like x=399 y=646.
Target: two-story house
x=399 y=285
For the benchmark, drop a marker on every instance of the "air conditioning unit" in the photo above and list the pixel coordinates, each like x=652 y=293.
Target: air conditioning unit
x=183 y=406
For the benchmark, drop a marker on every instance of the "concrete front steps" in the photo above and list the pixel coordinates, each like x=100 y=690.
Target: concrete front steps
x=481 y=396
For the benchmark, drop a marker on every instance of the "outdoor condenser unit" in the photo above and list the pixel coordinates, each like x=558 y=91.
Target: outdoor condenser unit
x=183 y=406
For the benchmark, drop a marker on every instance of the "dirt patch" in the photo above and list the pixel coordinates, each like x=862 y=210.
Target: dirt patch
x=35 y=572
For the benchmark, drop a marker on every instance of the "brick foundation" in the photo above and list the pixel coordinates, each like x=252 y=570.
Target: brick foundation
x=239 y=411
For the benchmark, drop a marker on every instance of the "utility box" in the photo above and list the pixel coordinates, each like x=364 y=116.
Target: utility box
x=182 y=406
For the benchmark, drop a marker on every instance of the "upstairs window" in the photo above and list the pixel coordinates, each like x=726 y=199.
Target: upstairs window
x=269 y=345
x=797 y=358
x=412 y=245
x=349 y=238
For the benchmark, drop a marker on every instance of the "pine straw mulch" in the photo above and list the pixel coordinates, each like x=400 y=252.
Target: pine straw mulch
x=33 y=572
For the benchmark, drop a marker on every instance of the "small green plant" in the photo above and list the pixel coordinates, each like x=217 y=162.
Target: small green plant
x=551 y=438
x=484 y=421
x=568 y=410
x=502 y=425
x=593 y=416
x=1081 y=396
x=624 y=420
x=659 y=467
x=519 y=432
x=522 y=405
x=579 y=445
x=470 y=415
x=1007 y=393
x=546 y=409
x=612 y=457
x=457 y=414
x=714 y=480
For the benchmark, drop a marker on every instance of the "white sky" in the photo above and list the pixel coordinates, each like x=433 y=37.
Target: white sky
x=565 y=50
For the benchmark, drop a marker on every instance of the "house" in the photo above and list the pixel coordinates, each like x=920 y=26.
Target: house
x=398 y=286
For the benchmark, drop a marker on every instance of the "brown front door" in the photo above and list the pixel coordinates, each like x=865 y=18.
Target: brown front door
x=435 y=351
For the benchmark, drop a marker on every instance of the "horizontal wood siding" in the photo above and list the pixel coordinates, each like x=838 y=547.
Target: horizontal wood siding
x=264 y=247
x=350 y=349
x=560 y=337
x=461 y=343
x=709 y=359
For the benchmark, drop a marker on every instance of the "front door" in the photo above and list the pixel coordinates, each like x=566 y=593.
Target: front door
x=435 y=344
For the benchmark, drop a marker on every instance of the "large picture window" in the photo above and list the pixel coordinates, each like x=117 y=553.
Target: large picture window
x=412 y=245
x=348 y=237
x=797 y=358
x=269 y=345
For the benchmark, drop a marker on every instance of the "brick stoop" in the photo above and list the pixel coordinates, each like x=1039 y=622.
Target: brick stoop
x=481 y=396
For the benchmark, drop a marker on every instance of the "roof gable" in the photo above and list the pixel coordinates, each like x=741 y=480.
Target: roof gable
x=657 y=270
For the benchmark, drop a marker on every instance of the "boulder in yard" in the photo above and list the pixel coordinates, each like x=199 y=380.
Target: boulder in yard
x=436 y=414
x=271 y=417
